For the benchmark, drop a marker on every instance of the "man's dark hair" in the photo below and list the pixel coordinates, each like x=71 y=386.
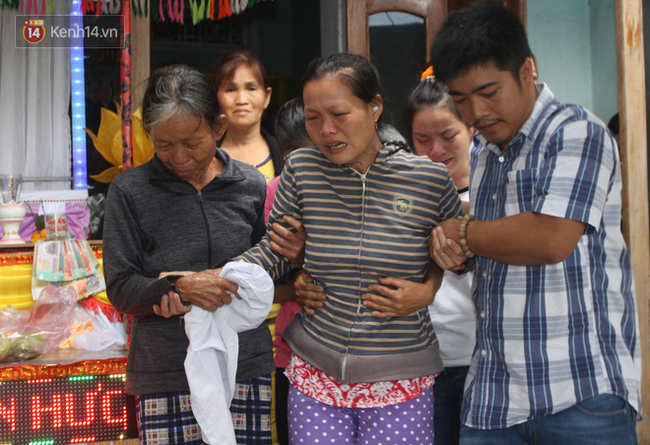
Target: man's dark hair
x=486 y=33
x=613 y=125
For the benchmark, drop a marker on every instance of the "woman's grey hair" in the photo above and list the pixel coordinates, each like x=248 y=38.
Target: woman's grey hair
x=179 y=90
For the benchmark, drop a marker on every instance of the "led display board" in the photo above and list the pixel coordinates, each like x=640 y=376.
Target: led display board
x=68 y=410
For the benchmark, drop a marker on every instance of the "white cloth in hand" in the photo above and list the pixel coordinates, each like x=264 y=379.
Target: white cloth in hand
x=211 y=361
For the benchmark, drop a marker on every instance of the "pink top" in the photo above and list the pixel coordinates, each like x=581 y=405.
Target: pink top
x=288 y=311
x=271 y=188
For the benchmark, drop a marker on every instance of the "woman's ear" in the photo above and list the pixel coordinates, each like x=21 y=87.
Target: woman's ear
x=268 y=97
x=377 y=106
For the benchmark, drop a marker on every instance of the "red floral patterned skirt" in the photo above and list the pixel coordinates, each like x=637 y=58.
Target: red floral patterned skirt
x=316 y=384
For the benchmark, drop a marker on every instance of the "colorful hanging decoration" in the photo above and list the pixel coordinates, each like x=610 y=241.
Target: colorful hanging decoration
x=224 y=9
x=161 y=10
x=176 y=12
x=11 y=4
x=238 y=6
x=136 y=8
x=198 y=11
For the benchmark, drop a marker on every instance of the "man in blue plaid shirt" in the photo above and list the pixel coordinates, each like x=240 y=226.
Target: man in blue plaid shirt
x=557 y=356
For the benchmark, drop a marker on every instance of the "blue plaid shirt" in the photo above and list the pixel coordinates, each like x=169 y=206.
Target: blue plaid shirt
x=551 y=336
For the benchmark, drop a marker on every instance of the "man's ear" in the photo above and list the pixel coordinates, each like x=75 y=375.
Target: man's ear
x=527 y=71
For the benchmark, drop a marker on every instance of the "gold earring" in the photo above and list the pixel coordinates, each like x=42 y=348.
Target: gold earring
x=376 y=125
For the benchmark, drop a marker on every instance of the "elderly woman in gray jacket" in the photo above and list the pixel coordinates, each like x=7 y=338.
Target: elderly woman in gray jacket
x=191 y=208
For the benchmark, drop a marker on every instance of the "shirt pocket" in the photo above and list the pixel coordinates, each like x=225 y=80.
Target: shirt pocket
x=520 y=191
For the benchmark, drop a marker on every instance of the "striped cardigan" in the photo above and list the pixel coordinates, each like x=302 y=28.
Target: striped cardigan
x=361 y=227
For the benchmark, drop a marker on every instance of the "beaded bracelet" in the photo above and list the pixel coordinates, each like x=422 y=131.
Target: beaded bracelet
x=462 y=234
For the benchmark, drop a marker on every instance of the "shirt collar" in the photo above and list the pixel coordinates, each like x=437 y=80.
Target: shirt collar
x=544 y=99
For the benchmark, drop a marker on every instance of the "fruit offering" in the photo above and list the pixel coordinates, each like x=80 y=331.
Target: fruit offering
x=38 y=235
x=27 y=346
x=5 y=346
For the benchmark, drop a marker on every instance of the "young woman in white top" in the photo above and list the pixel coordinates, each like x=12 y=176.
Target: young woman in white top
x=438 y=132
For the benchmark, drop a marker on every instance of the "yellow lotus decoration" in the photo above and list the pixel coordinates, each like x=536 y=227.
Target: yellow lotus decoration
x=108 y=142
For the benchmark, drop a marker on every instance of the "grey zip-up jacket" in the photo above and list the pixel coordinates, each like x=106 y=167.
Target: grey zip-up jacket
x=156 y=222
x=361 y=227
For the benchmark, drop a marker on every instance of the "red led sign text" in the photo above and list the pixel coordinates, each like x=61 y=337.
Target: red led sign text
x=66 y=410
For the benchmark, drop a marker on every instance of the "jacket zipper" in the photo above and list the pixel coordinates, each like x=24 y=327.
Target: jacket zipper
x=207 y=227
x=363 y=226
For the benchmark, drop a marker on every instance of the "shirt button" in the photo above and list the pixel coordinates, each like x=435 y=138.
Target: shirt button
x=494 y=197
x=484 y=274
x=501 y=159
x=483 y=352
x=482 y=314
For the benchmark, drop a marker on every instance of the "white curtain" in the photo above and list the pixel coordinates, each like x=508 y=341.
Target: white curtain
x=34 y=103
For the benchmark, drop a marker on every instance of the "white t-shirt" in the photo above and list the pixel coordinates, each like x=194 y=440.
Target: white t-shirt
x=453 y=316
